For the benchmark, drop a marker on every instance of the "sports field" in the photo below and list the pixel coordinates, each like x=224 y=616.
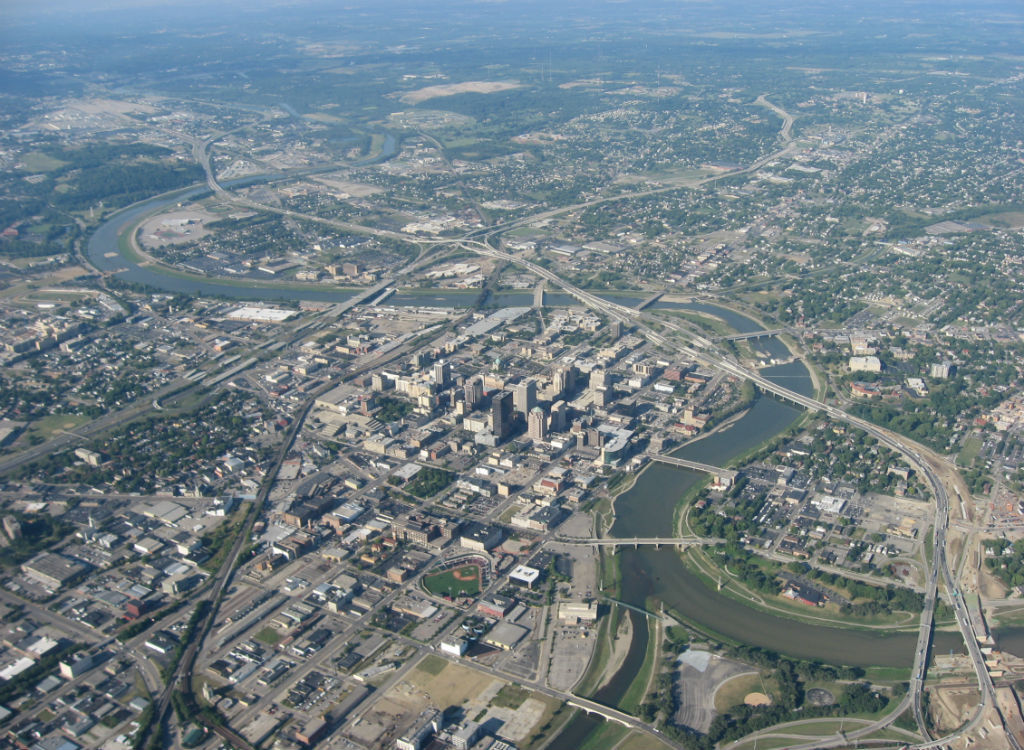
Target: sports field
x=461 y=581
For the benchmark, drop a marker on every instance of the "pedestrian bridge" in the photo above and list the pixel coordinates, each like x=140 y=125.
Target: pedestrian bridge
x=717 y=471
x=643 y=541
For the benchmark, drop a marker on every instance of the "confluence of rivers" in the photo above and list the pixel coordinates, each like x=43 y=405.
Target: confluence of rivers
x=646 y=509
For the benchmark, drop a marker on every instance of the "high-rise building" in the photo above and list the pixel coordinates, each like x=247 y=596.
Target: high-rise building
x=525 y=397
x=474 y=392
x=558 y=416
x=537 y=424
x=598 y=378
x=558 y=382
x=501 y=414
x=442 y=372
x=564 y=380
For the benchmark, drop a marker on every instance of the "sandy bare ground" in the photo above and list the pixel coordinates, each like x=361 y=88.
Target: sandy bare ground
x=450 y=89
x=991 y=587
x=354 y=189
x=175 y=228
x=109 y=106
x=952 y=706
x=620 y=647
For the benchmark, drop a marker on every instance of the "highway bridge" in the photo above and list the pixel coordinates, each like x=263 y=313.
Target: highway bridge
x=754 y=334
x=538 y=296
x=650 y=301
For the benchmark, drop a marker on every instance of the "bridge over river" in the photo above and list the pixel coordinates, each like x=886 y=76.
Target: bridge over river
x=716 y=471
x=645 y=541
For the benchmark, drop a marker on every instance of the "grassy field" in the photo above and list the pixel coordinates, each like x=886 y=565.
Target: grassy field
x=376 y=145
x=48 y=426
x=556 y=715
x=461 y=581
x=637 y=741
x=432 y=665
x=607 y=735
x=709 y=323
x=823 y=728
x=887 y=674
x=732 y=692
x=54 y=295
x=972 y=445
x=510 y=696
x=37 y=161
x=268 y=636
x=1007 y=616
x=452 y=684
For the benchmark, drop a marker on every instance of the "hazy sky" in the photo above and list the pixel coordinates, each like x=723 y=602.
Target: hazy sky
x=117 y=15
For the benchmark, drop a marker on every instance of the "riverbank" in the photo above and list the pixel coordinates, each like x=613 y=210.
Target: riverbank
x=614 y=638
x=650 y=506
x=728 y=584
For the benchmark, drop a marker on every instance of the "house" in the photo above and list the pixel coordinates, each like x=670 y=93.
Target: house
x=805 y=595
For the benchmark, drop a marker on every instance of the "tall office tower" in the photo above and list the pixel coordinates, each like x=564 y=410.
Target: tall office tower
x=474 y=392
x=558 y=416
x=537 y=424
x=558 y=382
x=564 y=380
x=598 y=378
x=501 y=414
x=525 y=397
x=442 y=372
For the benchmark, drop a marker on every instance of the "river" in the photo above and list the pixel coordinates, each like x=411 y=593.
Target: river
x=1009 y=639
x=647 y=509
x=650 y=577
